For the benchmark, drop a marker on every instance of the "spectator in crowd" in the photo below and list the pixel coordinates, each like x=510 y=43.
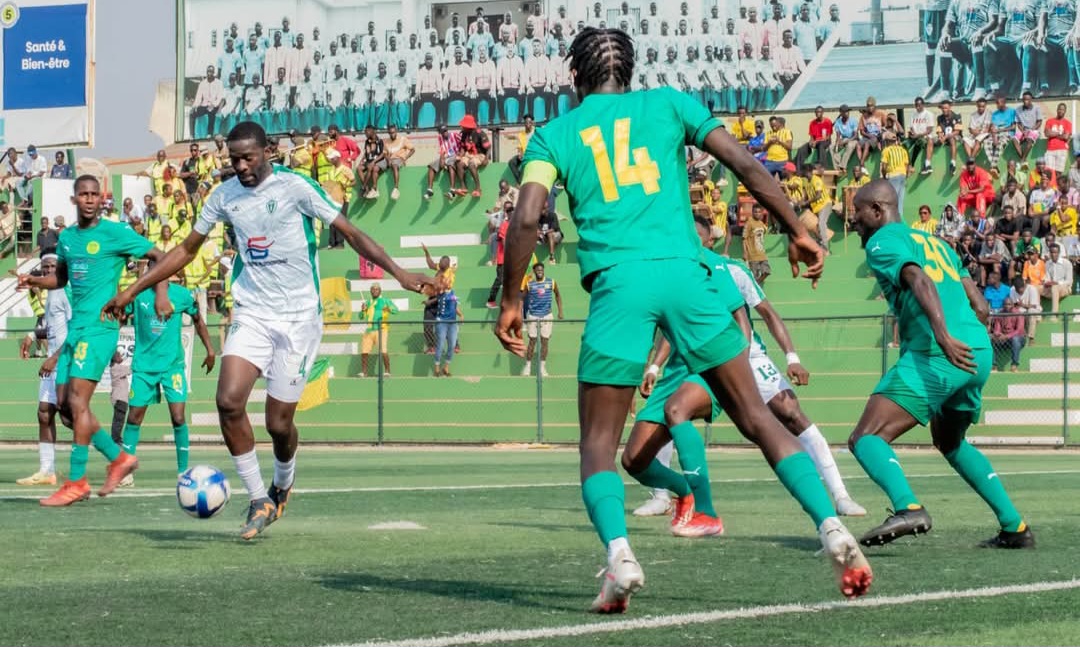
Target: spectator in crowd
x=473 y=155
x=978 y=130
x=820 y=203
x=1059 y=132
x=29 y=167
x=1027 y=297
x=1074 y=172
x=1042 y=200
x=896 y=167
x=1003 y=129
x=968 y=251
x=949 y=130
x=522 y=143
x=994 y=256
x=1068 y=190
x=926 y=222
x=1058 y=282
x=58 y=225
x=742 y=127
x=500 y=254
x=718 y=214
x=549 y=232
x=538 y=294
x=821 y=132
x=506 y=193
x=1034 y=272
x=446 y=158
x=131 y=211
x=846 y=129
x=495 y=221
x=343 y=144
x=339 y=185
x=61 y=169
x=165 y=240
x=376 y=314
x=47 y=238
x=1063 y=218
x=921 y=135
x=756 y=144
x=777 y=146
x=1029 y=123
x=1008 y=229
x=754 y=244
x=995 y=292
x=949 y=225
x=1040 y=170
x=976 y=189
x=447 y=314
x=1007 y=334
x=397 y=149
x=1047 y=242
x=1028 y=242
x=1013 y=197
x=374 y=162
x=871 y=128
x=189 y=170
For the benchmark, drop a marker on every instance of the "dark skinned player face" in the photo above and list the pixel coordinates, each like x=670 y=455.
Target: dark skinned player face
x=249 y=161
x=87 y=201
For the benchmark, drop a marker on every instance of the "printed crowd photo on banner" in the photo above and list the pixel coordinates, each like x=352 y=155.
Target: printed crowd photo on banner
x=298 y=64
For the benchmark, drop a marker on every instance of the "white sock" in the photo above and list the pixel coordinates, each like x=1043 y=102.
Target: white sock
x=818 y=448
x=528 y=368
x=664 y=455
x=46 y=458
x=543 y=365
x=284 y=472
x=247 y=468
x=613 y=548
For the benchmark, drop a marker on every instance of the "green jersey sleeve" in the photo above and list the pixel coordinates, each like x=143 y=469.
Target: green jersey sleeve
x=538 y=150
x=888 y=252
x=697 y=121
x=182 y=300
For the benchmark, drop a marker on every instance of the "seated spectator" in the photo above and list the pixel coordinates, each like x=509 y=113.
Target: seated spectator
x=1036 y=175
x=976 y=189
x=1029 y=122
x=506 y=193
x=968 y=251
x=756 y=143
x=743 y=127
x=1063 y=218
x=398 y=150
x=978 y=129
x=820 y=203
x=345 y=145
x=846 y=129
x=994 y=256
x=920 y=135
x=1070 y=191
x=926 y=222
x=61 y=169
x=1059 y=132
x=1014 y=197
x=1058 y=278
x=1043 y=199
x=1048 y=242
x=1014 y=172
x=1008 y=228
x=1007 y=334
x=995 y=292
x=1027 y=242
x=523 y=138
x=950 y=225
x=896 y=167
x=821 y=131
x=549 y=232
x=949 y=129
x=753 y=238
x=1034 y=272
x=777 y=146
x=1027 y=297
x=445 y=159
x=474 y=147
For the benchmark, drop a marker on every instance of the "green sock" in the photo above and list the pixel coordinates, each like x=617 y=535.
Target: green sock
x=131 y=437
x=801 y=479
x=604 y=497
x=973 y=466
x=691 y=448
x=656 y=475
x=879 y=461
x=180 y=439
x=103 y=442
x=80 y=455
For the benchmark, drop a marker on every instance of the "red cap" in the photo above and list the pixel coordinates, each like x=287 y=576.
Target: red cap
x=468 y=122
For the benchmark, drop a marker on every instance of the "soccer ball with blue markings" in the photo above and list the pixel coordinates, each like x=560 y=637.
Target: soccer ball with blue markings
x=202 y=491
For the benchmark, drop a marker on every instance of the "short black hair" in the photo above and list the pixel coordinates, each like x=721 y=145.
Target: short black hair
x=246 y=130
x=85 y=178
x=538 y=264
x=703 y=221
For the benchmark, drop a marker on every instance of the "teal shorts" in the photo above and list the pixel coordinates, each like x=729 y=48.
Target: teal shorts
x=86 y=354
x=653 y=411
x=146 y=388
x=629 y=301
x=929 y=385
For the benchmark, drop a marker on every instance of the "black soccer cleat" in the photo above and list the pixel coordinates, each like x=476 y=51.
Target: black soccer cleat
x=261 y=513
x=1006 y=539
x=898 y=524
x=280 y=497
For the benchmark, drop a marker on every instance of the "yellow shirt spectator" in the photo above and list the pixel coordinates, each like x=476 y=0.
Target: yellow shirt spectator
x=742 y=129
x=164 y=205
x=718 y=211
x=895 y=161
x=926 y=226
x=819 y=195
x=797 y=190
x=1063 y=221
x=775 y=151
x=199 y=272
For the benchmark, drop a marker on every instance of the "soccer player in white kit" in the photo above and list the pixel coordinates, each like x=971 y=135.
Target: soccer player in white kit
x=57 y=315
x=277 y=312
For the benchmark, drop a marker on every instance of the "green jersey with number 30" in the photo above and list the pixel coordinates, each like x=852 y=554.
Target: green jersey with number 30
x=888 y=252
x=622 y=160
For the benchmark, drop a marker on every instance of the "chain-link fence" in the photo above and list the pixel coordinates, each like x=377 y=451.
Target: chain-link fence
x=489 y=397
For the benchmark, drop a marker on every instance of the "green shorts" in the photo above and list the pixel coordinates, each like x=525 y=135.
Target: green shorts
x=86 y=354
x=929 y=385
x=653 y=411
x=629 y=301
x=146 y=388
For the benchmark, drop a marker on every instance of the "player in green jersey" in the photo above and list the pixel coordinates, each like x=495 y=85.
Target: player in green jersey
x=621 y=157
x=945 y=359
x=91 y=256
x=159 y=365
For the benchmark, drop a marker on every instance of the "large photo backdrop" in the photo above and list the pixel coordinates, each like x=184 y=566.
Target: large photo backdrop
x=295 y=64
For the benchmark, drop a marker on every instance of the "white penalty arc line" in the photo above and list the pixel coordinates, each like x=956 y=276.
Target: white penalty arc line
x=500 y=636
x=22 y=493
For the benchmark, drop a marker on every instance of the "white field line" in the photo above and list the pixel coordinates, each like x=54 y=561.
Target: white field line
x=502 y=636
x=14 y=494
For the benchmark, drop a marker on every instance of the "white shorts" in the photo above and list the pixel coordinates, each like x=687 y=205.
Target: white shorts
x=47 y=390
x=1056 y=160
x=770 y=381
x=283 y=351
x=541 y=325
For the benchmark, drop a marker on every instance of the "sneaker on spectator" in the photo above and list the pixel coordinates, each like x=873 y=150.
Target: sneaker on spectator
x=952 y=167
x=489 y=263
x=395 y=194
x=450 y=195
x=927 y=169
x=492 y=305
x=428 y=194
x=551 y=260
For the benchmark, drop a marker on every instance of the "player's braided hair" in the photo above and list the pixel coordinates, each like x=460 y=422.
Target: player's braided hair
x=597 y=55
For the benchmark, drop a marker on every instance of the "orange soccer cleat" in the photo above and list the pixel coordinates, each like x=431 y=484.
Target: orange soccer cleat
x=70 y=492
x=124 y=465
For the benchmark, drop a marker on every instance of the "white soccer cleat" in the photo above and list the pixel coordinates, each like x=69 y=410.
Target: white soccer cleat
x=657 y=506
x=853 y=572
x=621 y=579
x=846 y=507
x=127 y=481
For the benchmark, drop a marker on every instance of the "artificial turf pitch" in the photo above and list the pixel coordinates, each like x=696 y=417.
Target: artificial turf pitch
x=505 y=546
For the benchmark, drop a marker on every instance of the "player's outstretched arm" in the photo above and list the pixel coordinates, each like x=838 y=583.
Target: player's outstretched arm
x=802 y=248
x=779 y=331
x=165 y=265
x=520 y=243
x=54 y=281
x=365 y=246
x=926 y=294
x=977 y=300
x=204 y=337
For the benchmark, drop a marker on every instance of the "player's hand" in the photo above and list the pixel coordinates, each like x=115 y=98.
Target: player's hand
x=648 y=383
x=48 y=366
x=414 y=282
x=508 y=329
x=805 y=250
x=208 y=363
x=114 y=309
x=945 y=40
x=798 y=375
x=958 y=353
x=24 y=281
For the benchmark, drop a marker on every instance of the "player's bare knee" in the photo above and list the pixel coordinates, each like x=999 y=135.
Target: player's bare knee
x=178 y=420
x=631 y=461
x=230 y=405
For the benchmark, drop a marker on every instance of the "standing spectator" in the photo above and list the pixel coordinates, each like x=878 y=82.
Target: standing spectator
x=398 y=150
x=995 y=293
x=1029 y=123
x=374 y=162
x=447 y=313
x=189 y=170
x=920 y=135
x=754 y=244
x=46 y=238
x=777 y=146
x=1007 y=333
x=949 y=129
x=522 y=143
x=1002 y=130
x=846 y=129
x=1059 y=132
x=871 y=128
x=120 y=374
x=445 y=159
x=895 y=167
x=538 y=319
x=209 y=99
x=61 y=169
x=821 y=131
x=345 y=145
x=1058 y=278
x=926 y=222
x=500 y=254
x=978 y=130
x=30 y=167
x=339 y=185
x=820 y=204
x=473 y=155
x=976 y=189
x=1028 y=298
x=376 y=315
x=549 y=232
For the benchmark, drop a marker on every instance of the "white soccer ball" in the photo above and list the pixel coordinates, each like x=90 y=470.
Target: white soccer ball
x=202 y=491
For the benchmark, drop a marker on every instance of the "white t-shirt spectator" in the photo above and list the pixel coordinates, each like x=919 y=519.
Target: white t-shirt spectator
x=922 y=123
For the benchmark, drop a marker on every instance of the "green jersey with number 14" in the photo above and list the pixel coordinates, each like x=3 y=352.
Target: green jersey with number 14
x=888 y=252
x=622 y=160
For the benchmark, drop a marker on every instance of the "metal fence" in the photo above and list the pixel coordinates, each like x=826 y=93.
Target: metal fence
x=488 y=400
